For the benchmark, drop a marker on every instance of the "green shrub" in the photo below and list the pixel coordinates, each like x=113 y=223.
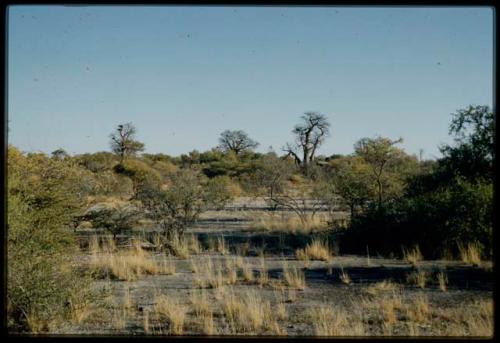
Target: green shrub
x=42 y=286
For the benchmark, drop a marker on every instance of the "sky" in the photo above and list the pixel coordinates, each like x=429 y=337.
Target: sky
x=182 y=75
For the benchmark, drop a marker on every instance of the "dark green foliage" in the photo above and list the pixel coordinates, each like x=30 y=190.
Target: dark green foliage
x=437 y=221
x=115 y=219
x=449 y=203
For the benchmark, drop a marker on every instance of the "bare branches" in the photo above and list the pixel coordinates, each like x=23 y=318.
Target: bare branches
x=310 y=134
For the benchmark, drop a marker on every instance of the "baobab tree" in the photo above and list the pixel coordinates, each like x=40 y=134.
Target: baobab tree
x=123 y=142
x=236 y=141
x=309 y=135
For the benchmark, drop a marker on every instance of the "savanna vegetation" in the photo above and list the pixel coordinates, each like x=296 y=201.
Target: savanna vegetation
x=77 y=225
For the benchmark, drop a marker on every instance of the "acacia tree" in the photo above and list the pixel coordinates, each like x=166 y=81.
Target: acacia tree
x=349 y=177
x=379 y=153
x=115 y=219
x=59 y=154
x=123 y=142
x=473 y=154
x=236 y=141
x=309 y=135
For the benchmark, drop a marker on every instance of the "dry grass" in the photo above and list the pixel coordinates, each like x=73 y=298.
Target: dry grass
x=479 y=319
x=263 y=279
x=231 y=271
x=418 y=311
x=220 y=246
x=119 y=318
x=145 y=322
x=293 y=224
x=167 y=266
x=211 y=274
x=247 y=272
x=200 y=303
x=442 y=280
x=231 y=308
x=193 y=243
x=344 y=277
x=293 y=277
x=380 y=287
x=81 y=312
x=328 y=321
x=249 y=313
x=126 y=265
x=316 y=250
x=255 y=312
x=170 y=308
x=418 y=278
x=388 y=307
x=127 y=300
x=208 y=327
x=471 y=254
x=412 y=256
x=180 y=247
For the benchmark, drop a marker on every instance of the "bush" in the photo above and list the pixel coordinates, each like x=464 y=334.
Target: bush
x=139 y=172
x=42 y=286
x=444 y=219
x=221 y=190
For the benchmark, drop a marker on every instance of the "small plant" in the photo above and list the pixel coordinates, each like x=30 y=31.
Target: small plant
x=417 y=278
x=208 y=324
x=194 y=245
x=119 y=318
x=412 y=256
x=442 y=280
x=327 y=321
x=418 y=311
x=145 y=322
x=315 y=250
x=179 y=246
x=199 y=301
x=383 y=286
x=344 y=277
x=294 y=277
x=220 y=246
x=471 y=254
x=263 y=279
x=170 y=308
x=247 y=272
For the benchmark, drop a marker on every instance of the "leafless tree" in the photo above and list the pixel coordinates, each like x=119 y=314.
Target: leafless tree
x=309 y=135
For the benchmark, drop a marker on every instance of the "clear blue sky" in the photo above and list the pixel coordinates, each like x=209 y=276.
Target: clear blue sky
x=182 y=75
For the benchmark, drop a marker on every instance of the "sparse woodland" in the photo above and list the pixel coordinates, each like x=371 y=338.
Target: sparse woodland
x=91 y=236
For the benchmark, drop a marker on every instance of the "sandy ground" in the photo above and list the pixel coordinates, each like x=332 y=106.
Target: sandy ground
x=466 y=284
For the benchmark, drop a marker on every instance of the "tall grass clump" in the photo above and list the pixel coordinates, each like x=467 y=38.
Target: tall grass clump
x=166 y=307
x=418 y=278
x=442 y=281
x=470 y=254
x=412 y=256
x=292 y=224
x=125 y=265
x=327 y=321
x=293 y=277
x=315 y=250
